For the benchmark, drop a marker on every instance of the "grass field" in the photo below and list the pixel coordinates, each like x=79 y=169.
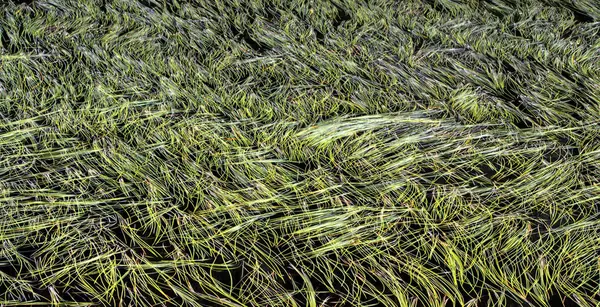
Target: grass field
x=300 y=153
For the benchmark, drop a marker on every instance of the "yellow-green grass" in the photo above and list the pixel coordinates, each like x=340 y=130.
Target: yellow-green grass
x=299 y=153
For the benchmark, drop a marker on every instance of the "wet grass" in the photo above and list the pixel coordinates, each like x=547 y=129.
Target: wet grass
x=299 y=153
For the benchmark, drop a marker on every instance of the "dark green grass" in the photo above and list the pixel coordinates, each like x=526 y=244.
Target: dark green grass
x=299 y=153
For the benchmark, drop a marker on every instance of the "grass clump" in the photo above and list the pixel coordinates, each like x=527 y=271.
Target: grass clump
x=299 y=153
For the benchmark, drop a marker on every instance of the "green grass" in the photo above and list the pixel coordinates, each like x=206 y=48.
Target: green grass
x=300 y=153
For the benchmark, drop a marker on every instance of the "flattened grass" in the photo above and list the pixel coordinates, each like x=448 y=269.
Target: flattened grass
x=299 y=153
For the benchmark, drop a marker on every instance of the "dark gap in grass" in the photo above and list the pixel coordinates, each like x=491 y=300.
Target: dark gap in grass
x=43 y=167
x=565 y=74
x=251 y=16
x=270 y=12
x=588 y=177
x=430 y=200
x=234 y=30
x=482 y=300
x=521 y=123
x=79 y=100
x=337 y=271
x=195 y=286
x=553 y=155
x=418 y=43
x=433 y=176
x=473 y=288
x=29 y=251
x=227 y=276
x=581 y=16
x=494 y=171
x=508 y=67
x=102 y=6
x=74 y=295
x=210 y=85
x=487 y=171
x=130 y=218
x=151 y=4
x=517 y=31
x=7 y=113
x=161 y=251
x=575 y=114
x=496 y=12
x=119 y=132
x=574 y=151
x=122 y=236
x=570 y=146
x=218 y=171
x=282 y=213
x=320 y=36
x=189 y=205
x=540 y=224
x=13 y=268
x=434 y=5
x=558 y=300
x=292 y=281
x=567 y=33
x=6 y=43
x=299 y=296
x=42 y=291
x=305 y=166
x=341 y=16
x=512 y=301
x=370 y=300
x=537 y=232
x=322 y=295
x=256 y=46
x=26 y=2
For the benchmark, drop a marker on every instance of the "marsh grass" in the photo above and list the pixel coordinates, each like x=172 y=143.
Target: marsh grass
x=299 y=153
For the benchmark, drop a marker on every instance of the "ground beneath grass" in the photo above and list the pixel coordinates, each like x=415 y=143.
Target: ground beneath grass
x=299 y=153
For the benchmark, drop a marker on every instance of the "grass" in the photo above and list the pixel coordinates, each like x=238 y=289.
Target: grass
x=299 y=153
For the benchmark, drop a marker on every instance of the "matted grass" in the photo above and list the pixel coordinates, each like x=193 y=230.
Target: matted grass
x=299 y=153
